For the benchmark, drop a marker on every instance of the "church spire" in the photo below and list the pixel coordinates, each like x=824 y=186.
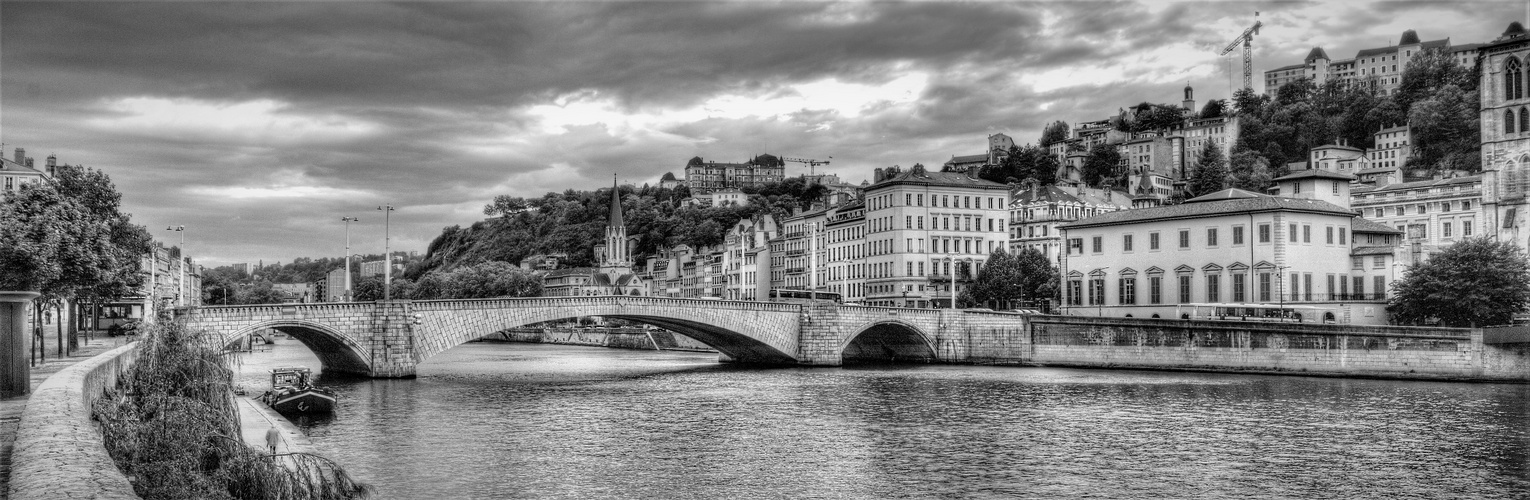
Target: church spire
x=615 y=219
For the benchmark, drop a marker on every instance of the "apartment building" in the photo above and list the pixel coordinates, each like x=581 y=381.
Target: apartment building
x=21 y=171
x=1392 y=147
x=1430 y=215
x=1380 y=67
x=1230 y=248
x=923 y=228
x=845 y=239
x=1037 y=210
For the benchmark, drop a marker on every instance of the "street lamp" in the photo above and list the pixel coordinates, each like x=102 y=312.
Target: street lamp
x=180 y=288
x=1280 y=288
x=953 y=281
x=1099 y=305
x=348 y=221
x=387 y=210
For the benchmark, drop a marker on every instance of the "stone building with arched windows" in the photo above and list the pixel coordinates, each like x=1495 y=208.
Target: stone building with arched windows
x=1505 y=119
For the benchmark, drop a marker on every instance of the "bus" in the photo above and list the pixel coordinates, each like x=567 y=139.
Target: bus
x=801 y=296
x=1255 y=312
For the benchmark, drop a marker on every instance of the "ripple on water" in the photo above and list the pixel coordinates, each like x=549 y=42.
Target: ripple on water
x=540 y=421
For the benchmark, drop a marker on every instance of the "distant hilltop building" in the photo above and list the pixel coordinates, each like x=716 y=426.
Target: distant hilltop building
x=669 y=181
x=706 y=176
x=1380 y=67
x=998 y=151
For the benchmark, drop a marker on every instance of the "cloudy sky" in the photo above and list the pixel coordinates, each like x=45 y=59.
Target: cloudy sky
x=258 y=125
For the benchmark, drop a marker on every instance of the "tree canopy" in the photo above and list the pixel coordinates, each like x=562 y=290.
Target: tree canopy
x=1023 y=162
x=1209 y=174
x=1054 y=132
x=1103 y=163
x=1011 y=280
x=1475 y=282
x=67 y=237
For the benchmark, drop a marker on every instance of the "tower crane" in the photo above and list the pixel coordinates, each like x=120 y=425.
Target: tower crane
x=811 y=163
x=1246 y=39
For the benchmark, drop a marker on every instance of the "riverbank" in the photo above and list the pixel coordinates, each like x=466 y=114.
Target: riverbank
x=12 y=407
x=255 y=418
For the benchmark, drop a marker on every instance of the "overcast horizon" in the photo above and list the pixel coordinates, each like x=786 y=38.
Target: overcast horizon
x=258 y=125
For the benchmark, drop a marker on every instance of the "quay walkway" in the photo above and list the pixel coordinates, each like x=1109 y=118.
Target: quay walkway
x=11 y=407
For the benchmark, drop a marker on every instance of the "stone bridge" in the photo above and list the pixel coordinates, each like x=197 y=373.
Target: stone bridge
x=388 y=339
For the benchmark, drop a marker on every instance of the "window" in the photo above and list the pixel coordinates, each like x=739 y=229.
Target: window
x=1524 y=120
x=1075 y=291
x=919 y=200
x=1237 y=235
x=1184 y=238
x=1342 y=236
x=1379 y=262
x=1126 y=243
x=1466 y=205
x=1127 y=291
x=1380 y=212
x=1335 y=187
x=1399 y=210
x=1152 y=241
x=1264 y=233
x=1296 y=287
x=1184 y=288
x=1466 y=229
x=908 y=222
x=1293 y=232
x=919 y=222
x=1357 y=263
x=1306 y=233
x=910 y=270
x=1421 y=209
x=1098 y=244
x=908 y=199
x=1238 y=287
x=1360 y=287
x=1381 y=285
x=1213 y=287
x=1508 y=121
x=1328 y=234
x=1513 y=80
x=1445 y=229
x=1307 y=286
x=1211 y=237
x=1097 y=291
x=1075 y=244
x=1264 y=287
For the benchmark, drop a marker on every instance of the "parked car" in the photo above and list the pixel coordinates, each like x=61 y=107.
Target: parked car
x=125 y=328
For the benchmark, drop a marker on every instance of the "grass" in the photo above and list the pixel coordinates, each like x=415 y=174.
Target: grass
x=172 y=426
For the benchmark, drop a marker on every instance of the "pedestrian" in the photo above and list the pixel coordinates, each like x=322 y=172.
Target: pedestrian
x=273 y=437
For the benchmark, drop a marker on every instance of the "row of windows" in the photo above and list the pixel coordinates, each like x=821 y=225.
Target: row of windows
x=938 y=201
x=1213 y=238
x=1420 y=208
x=1298 y=288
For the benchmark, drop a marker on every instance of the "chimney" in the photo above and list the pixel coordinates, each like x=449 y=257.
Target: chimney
x=29 y=162
x=21 y=156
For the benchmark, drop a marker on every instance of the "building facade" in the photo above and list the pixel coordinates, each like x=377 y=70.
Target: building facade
x=1038 y=209
x=1381 y=68
x=923 y=228
x=705 y=176
x=22 y=171
x=1505 y=102
x=1231 y=248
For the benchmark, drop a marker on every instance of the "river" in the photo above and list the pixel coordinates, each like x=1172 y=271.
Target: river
x=490 y=420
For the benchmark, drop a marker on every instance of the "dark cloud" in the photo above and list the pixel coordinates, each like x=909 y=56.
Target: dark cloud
x=425 y=105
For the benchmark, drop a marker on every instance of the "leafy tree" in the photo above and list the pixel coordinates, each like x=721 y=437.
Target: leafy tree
x=1210 y=172
x=1009 y=280
x=1054 y=132
x=1248 y=102
x=506 y=205
x=1023 y=162
x=1212 y=109
x=1247 y=170
x=1103 y=162
x=1446 y=130
x=1475 y=282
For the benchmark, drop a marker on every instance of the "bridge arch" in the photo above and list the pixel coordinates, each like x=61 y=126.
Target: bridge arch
x=744 y=331
x=336 y=351
x=887 y=340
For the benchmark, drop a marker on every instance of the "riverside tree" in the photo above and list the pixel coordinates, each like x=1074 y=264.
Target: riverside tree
x=1015 y=280
x=1475 y=282
x=68 y=239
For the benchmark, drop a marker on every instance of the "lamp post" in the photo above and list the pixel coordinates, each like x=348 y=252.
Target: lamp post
x=348 y=221
x=180 y=286
x=1099 y=305
x=953 y=281
x=1280 y=288
x=387 y=210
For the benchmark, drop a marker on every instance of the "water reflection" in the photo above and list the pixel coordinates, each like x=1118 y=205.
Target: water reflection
x=539 y=421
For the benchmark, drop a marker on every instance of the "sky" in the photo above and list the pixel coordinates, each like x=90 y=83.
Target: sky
x=259 y=125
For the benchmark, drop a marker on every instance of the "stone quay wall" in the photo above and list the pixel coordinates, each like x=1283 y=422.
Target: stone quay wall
x=59 y=452
x=1334 y=350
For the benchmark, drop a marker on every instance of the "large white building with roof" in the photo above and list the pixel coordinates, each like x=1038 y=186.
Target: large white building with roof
x=1379 y=67
x=923 y=228
x=1236 y=250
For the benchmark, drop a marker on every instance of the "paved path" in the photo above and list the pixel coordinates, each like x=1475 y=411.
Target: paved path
x=11 y=407
x=255 y=418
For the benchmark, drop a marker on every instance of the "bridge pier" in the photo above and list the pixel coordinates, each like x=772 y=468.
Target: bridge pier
x=392 y=340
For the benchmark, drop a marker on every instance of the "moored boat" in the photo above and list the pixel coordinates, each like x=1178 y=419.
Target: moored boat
x=292 y=391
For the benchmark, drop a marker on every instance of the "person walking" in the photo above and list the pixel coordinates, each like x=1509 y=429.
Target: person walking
x=273 y=437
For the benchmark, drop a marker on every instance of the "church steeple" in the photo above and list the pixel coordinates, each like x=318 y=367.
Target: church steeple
x=616 y=231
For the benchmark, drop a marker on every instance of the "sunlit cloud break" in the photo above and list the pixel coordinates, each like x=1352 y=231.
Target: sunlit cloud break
x=261 y=120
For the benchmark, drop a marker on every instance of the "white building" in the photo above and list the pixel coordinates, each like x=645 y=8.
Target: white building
x=924 y=227
x=1232 y=248
x=1037 y=210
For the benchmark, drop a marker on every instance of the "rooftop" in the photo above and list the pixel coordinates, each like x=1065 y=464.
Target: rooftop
x=1424 y=184
x=1364 y=225
x=925 y=177
x=1316 y=173
x=1262 y=203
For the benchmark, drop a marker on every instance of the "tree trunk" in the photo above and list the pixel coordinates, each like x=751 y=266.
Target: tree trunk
x=64 y=307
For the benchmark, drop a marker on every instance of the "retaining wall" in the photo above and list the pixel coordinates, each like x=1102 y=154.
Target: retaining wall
x=1341 y=350
x=59 y=452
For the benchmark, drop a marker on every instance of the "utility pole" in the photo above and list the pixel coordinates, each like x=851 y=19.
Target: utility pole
x=387 y=211
x=348 y=221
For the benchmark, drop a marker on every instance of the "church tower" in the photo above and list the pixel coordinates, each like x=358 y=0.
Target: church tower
x=616 y=233
x=1189 y=102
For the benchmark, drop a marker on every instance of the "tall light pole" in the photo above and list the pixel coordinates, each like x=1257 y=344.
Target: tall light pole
x=348 y=221
x=180 y=288
x=1280 y=287
x=953 y=281
x=387 y=210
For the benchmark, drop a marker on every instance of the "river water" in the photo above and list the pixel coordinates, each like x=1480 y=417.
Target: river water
x=490 y=420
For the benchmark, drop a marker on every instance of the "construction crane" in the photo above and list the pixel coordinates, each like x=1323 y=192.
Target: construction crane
x=811 y=163
x=1247 y=39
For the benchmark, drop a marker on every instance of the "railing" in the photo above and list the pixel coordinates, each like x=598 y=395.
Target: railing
x=1337 y=297
x=625 y=300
